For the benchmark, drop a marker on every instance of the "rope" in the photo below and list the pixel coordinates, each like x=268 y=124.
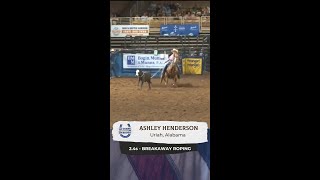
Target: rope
x=156 y=73
x=142 y=75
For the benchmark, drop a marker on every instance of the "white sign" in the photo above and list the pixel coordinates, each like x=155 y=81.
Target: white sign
x=129 y=30
x=166 y=132
x=144 y=61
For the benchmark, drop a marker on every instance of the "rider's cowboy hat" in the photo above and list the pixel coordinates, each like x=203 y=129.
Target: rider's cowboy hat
x=112 y=50
x=175 y=50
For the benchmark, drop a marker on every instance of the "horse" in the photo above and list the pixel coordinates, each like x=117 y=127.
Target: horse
x=171 y=73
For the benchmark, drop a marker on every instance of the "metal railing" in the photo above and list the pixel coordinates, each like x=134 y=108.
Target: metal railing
x=155 y=22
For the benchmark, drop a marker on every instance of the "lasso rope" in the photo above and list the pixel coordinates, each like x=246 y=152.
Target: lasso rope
x=174 y=61
x=156 y=73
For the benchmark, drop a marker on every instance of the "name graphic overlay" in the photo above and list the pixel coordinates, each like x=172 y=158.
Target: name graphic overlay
x=166 y=132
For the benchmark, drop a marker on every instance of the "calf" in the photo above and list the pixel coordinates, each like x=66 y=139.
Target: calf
x=143 y=76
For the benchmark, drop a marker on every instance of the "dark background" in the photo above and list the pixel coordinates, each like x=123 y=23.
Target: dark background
x=59 y=87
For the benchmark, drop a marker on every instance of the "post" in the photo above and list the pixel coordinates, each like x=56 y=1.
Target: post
x=137 y=7
x=199 y=23
x=200 y=28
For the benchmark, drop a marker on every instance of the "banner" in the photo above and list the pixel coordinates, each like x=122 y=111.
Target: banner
x=129 y=30
x=192 y=65
x=144 y=61
x=180 y=30
x=166 y=132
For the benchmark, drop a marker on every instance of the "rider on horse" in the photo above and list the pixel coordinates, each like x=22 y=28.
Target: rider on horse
x=170 y=60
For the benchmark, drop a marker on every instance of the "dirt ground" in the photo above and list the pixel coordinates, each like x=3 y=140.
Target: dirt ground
x=190 y=101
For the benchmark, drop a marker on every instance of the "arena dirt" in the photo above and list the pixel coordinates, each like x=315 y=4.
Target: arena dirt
x=190 y=101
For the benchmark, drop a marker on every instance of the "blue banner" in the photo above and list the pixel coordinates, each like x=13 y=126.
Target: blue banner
x=179 y=30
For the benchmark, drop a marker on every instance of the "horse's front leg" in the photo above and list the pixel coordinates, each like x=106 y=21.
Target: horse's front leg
x=175 y=81
x=164 y=79
x=167 y=81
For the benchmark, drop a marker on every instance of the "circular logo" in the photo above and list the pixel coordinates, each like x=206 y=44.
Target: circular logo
x=125 y=132
x=116 y=31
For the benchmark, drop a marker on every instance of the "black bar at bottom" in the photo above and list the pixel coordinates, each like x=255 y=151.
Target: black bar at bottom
x=134 y=148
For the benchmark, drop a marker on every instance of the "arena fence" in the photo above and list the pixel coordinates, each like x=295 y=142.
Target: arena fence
x=187 y=46
x=155 y=22
x=120 y=67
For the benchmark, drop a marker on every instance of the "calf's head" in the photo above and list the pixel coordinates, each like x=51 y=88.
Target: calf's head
x=138 y=72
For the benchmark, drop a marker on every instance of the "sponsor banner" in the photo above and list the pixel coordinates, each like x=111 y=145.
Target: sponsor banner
x=144 y=61
x=166 y=132
x=129 y=30
x=180 y=30
x=192 y=65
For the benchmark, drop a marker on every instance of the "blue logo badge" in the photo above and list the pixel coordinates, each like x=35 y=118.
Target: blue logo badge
x=175 y=28
x=131 y=60
x=125 y=132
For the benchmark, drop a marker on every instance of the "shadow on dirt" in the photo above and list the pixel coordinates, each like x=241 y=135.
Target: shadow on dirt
x=185 y=85
x=188 y=85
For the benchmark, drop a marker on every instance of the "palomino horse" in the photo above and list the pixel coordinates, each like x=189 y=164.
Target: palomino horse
x=171 y=73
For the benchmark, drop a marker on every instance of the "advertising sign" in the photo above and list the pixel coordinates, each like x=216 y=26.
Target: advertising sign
x=192 y=65
x=180 y=30
x=129 y=30
x=144 y=61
